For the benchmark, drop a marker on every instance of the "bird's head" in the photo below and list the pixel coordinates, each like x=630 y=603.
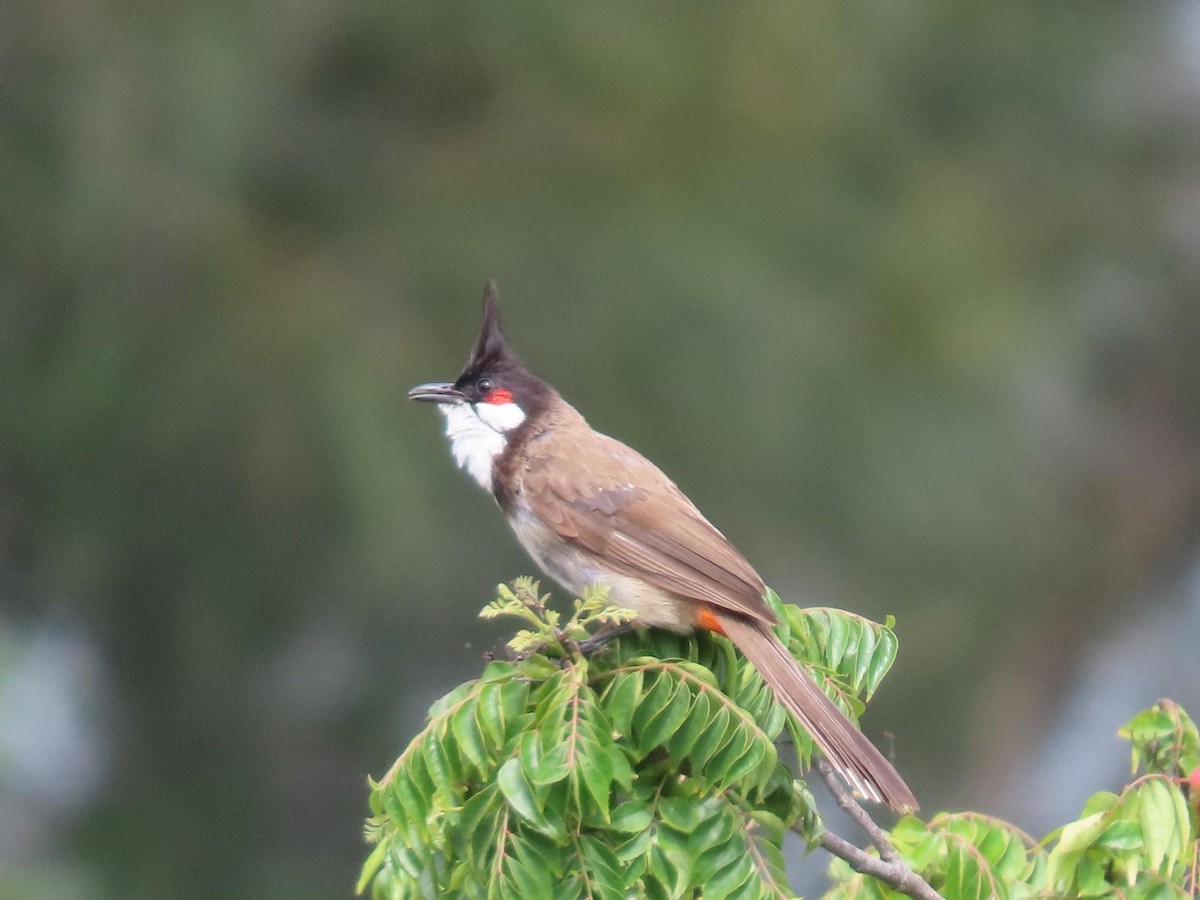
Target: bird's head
x=492 y=397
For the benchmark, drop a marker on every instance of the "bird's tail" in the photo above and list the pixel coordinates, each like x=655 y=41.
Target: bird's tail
x=846 y=748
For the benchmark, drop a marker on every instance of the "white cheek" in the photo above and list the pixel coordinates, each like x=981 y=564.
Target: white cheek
x=500 y=416
x=473 y=443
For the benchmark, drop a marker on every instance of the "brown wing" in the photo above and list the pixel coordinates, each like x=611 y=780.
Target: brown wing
x=616 y=504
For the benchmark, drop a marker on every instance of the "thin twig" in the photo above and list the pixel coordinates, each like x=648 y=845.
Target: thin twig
x=894 y=874
x=855 y=811
x=889 y=867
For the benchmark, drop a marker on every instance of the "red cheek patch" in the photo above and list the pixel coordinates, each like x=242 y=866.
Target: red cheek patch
x=499 y=396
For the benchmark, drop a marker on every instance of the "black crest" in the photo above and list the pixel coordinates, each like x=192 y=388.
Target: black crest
x=491 y=357
x=491 y=350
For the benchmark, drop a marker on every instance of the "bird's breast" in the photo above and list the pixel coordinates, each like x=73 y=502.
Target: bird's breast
x=565 y=562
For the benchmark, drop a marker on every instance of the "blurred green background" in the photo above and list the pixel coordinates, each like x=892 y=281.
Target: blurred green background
x=904 y=295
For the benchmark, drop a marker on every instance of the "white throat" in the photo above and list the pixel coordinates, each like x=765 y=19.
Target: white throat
x=477 y=433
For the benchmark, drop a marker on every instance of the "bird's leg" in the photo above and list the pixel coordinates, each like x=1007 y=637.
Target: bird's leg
x=603 y=636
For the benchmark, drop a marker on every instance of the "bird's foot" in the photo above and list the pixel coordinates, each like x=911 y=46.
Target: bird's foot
x=590 y=645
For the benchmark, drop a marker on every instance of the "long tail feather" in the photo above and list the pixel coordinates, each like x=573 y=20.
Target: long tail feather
x=846 y=748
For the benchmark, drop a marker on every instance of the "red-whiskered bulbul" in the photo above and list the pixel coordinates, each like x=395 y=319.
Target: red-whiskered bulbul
x=590 y=510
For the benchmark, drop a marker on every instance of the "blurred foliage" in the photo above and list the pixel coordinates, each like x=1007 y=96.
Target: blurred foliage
x=927 y=273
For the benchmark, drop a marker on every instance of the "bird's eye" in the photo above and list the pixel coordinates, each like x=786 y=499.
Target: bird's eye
x=484 y=386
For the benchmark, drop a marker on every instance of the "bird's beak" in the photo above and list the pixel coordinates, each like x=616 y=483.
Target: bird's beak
x=437 y=392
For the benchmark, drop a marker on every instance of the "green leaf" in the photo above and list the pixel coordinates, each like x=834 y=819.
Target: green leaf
x=438 y=764
x=621 y=697
x=498 y=671
x=467 y=732
x=1075 y=838
x=886 y=648
x=719 y=820
x=759 y=758
x=550 y=767
x=522 y=877
x=599 y=873
x=489 y=717
x=677 y=849
x=768 y=826
x=1184 y=831
x=514 y=704
x=662 y=869
x=681 y=813
x=683 y=741
x=478 y=826
x=630 y=817
x=657 y=729
x=711 y=739
x=700 y=673
x=864 y=655
x=635 y=851
x=753 y=695
x=537 y=667
x=1090 y=877
x=655 y=700
x=597 y=771
x=622 y=771
x=724 y=763
x=1156 y=818
x=837 y=638
x=730 y=878
x=372 y=866
x=1101 y=801
x=965 y=879
x=1123 y=834
x=520 y=796
x=717 y=856
x=781 y=610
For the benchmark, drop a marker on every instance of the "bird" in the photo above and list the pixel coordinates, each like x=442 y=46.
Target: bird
x=592 y=511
